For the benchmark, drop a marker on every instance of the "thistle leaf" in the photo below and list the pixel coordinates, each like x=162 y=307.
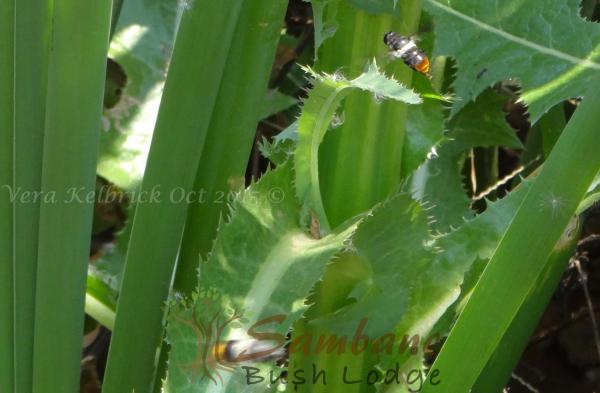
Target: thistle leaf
x=264 y=265
x=317 y=115
x=530 y=41
x=439 y=181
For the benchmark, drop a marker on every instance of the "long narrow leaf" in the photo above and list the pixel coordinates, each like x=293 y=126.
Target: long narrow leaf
x=32 y=37
x=522 y=253
x=229 y=139
x=76 y=75
x=203 y=42
x=517 y=336
x=6 y=168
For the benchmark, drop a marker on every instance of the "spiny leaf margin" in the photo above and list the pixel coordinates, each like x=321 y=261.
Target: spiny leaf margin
x=317 y=114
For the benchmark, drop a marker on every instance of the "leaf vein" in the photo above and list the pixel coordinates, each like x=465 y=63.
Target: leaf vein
x=540 y=48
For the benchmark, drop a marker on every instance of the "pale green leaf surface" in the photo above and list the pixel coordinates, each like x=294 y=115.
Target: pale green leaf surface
x=263 y=264
x=435 y=294
x=439 y=182
x=275 y=102
x=376 y=82
x=545 y=45
x=142 y=46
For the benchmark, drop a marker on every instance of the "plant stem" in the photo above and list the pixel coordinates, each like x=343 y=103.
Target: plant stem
x=364 y=159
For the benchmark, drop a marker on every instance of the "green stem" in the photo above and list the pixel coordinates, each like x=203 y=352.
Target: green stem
x=98 y=310
x=364 y=158
x=438 y=68
x=325 y=115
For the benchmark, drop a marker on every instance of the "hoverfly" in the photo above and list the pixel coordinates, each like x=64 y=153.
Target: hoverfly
x=406 y=49
x=234 y=351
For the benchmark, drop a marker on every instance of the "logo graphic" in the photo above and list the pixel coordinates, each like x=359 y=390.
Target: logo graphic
x=210 y=320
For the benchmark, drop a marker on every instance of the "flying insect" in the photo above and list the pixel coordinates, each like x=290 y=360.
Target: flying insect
x=406 y=48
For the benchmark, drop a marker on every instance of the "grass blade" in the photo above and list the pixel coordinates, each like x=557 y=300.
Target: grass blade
x=7 y=12
x=32 y=35
x=498 y=370
x=76 y=77
x=229 y=139
x=188 y=101
x=550 y=204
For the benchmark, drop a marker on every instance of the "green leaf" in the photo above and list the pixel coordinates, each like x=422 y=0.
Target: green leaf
x=7 y=38
x=424 y=130
x=549 y=204
x=376 y=6
x=439 y=182
x=423 y=272
x=324 y=28
x=32 y=36
x=497 y=371
x=263 y=264
x=230 y=138
x=318 y=114
x=141 y=45
x=395 y=243
x=100 y=301
x=551 y=126
x=283 y=145
x=363 y=158
x=275 y=102
x=545 y=45
x=191 y=89
x=76 y=80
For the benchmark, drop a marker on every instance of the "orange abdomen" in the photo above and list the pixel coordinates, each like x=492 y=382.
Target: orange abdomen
x=423 y=66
